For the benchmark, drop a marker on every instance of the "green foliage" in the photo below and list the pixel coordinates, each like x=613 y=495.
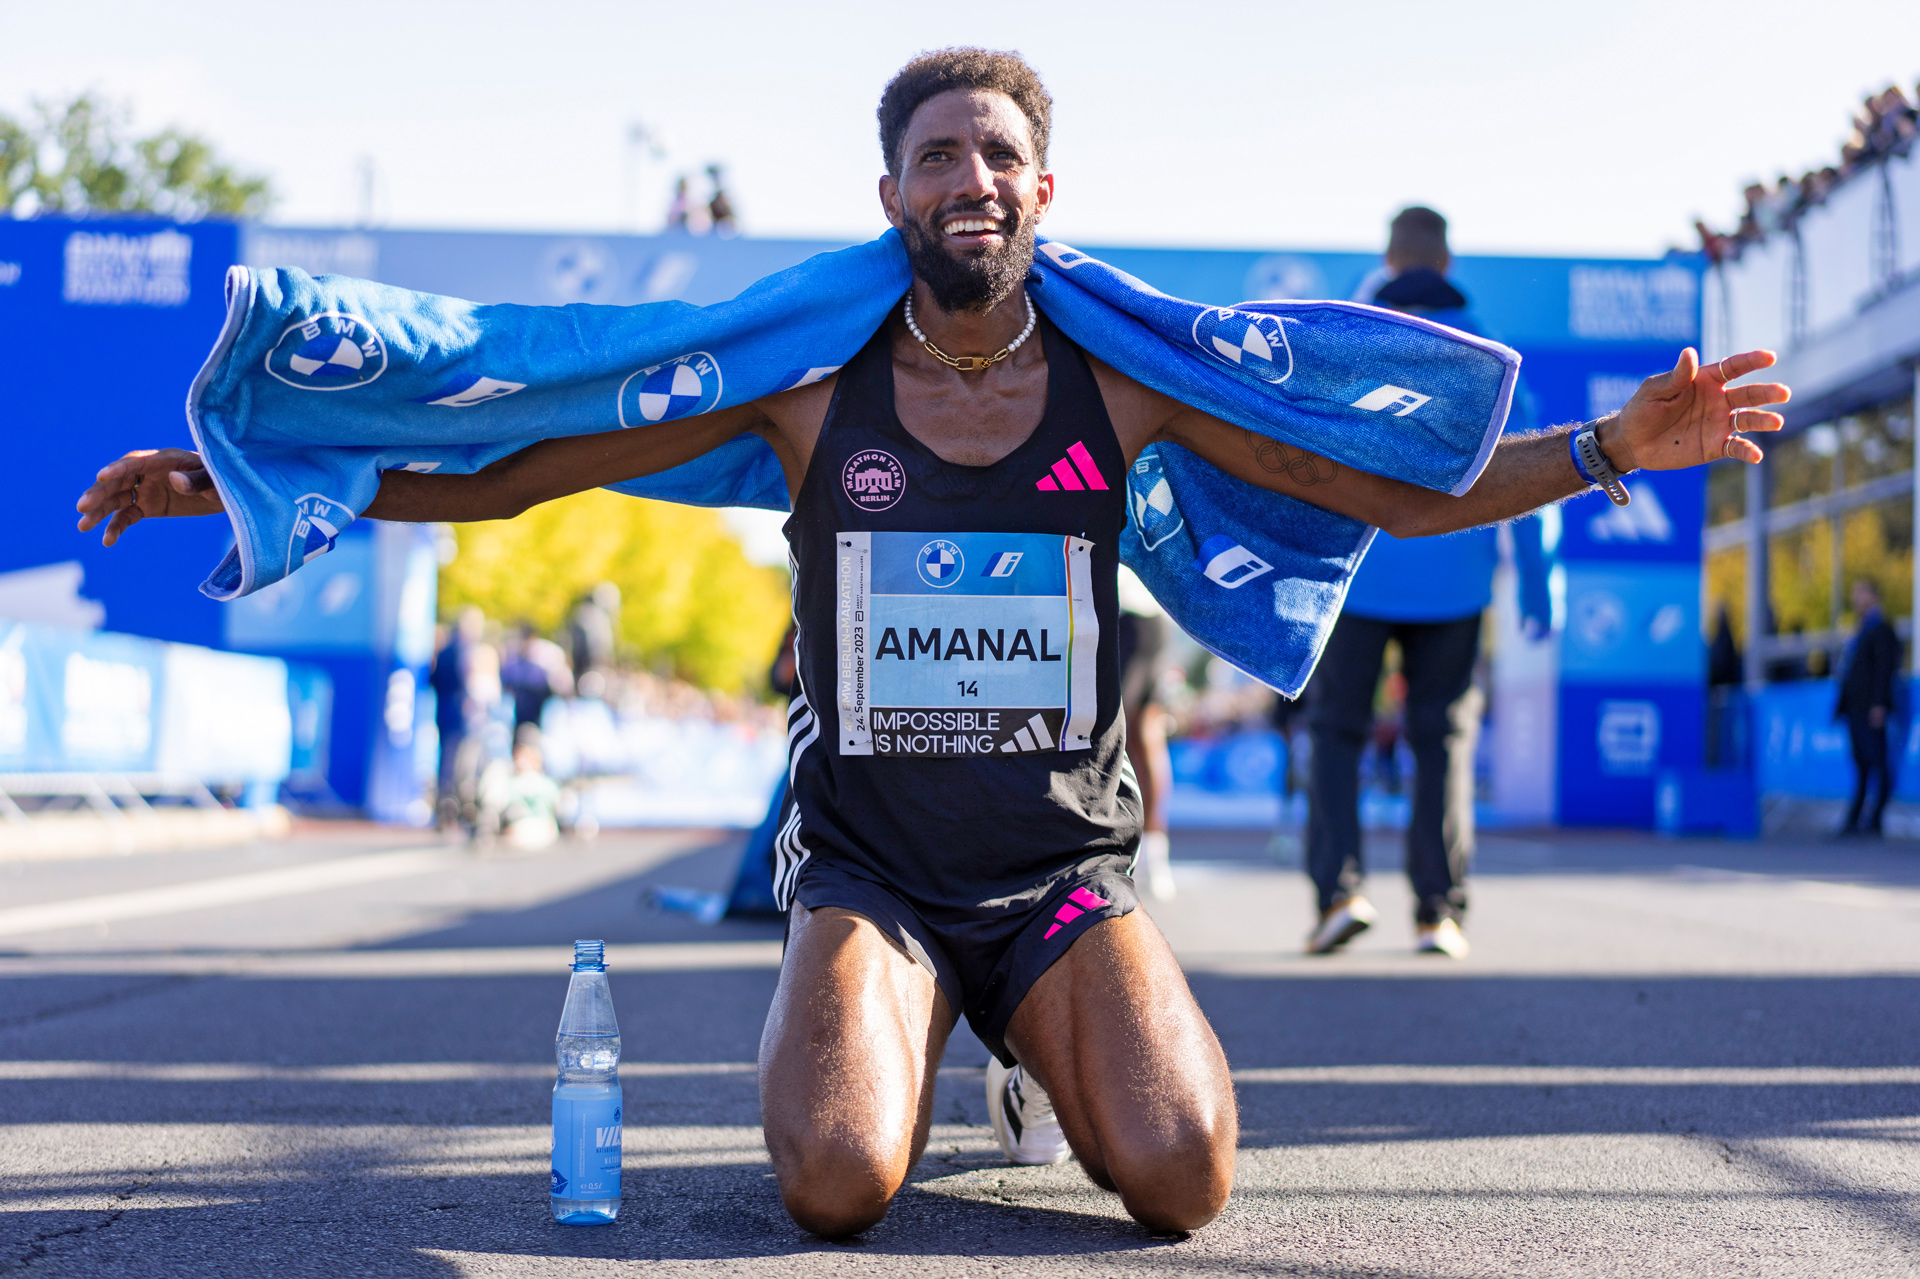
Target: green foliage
x=689 y=598
x=76 y=159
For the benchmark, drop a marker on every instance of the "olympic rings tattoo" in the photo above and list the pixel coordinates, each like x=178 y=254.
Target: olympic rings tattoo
x=1302 y=467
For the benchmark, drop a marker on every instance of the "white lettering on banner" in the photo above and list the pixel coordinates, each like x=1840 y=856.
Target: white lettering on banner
x=351 y=254
x=9 y=274
x=1644 y=520
x=108 y=709
x=1387 y=396
x=1628 y=736
x=1631 y=304
x=1608 y=393
x=127 y=270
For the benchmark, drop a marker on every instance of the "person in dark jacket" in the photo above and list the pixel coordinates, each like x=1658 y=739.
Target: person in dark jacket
x=1872 y=666
x=1429 y=594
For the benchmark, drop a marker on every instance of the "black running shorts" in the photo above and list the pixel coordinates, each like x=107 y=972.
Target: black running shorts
x=986 y=963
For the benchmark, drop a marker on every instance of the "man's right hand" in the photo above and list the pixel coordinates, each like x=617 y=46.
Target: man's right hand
x=147 y=482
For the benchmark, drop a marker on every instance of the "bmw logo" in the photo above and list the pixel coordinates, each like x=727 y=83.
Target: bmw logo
x=941 y=563
x=332 y=351
x=682 y=387
x=317 y=521
x=1251 y=342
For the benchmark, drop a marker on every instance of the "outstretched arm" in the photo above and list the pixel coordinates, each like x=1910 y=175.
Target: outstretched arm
x=1685 y=417
x=158 y=483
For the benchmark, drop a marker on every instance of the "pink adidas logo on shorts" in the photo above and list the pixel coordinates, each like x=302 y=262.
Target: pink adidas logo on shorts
x=1078 y=903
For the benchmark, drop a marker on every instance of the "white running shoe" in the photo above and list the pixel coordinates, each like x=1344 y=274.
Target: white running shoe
x=1023 y=1119
x=1156 y=865
x=1346 y=921
x=1443 y=938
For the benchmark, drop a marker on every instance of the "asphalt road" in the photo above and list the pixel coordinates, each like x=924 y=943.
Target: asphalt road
x=330 y=1056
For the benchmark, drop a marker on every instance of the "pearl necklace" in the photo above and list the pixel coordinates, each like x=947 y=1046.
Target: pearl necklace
x=970 y=363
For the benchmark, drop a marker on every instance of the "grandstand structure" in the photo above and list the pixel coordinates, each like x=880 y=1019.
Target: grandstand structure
x=1825 y=271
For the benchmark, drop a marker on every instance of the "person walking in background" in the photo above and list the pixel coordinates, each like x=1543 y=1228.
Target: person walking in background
x=1866 y=701
x=592 y=631
x=534 y=671
x=456 y=711
x=1428 y=595
x=1143 y=639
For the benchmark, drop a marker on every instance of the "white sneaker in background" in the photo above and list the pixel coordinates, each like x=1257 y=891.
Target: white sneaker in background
x=1443 y=938
x=1156 y=865
x=1023 y=1118
x=1340 y=925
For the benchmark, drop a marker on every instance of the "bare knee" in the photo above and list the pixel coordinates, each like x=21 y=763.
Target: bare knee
x=834 y=1191
x=1176 y=1186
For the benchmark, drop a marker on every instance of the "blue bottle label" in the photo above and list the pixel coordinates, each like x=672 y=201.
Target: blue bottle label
x=586 y=1147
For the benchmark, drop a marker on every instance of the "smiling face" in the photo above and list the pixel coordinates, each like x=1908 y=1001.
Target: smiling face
x=967 y=197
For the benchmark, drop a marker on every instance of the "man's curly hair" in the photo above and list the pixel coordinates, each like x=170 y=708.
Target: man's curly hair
x=936 y=72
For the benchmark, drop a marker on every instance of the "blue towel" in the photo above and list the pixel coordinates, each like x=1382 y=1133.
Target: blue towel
x=316 y=386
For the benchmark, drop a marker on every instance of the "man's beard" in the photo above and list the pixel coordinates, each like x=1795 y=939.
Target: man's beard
x=977 y=282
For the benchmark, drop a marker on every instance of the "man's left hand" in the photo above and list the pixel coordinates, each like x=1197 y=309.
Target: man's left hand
x=1690 y=416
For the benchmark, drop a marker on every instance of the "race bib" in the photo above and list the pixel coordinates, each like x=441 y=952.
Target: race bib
x=965 y=643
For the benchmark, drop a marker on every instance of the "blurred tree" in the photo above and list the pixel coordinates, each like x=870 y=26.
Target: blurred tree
x=689 y=598
x=77 y=159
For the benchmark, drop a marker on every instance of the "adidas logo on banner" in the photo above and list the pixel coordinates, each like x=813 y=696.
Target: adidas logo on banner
x=1036 y=736
x=1064 y=476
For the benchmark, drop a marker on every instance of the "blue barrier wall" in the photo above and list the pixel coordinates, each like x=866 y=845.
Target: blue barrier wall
x=81 y=701
x=107 y=322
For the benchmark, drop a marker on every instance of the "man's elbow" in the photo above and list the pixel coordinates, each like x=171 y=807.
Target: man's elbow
x=1410 y=521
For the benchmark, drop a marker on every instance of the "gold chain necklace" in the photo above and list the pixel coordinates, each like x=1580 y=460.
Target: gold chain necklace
x=970 y=363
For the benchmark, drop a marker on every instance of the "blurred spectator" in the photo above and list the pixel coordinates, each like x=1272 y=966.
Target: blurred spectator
x=686 y=214
x=1143 y=642
x=518 y=801
x=535 y=669
x=1886 y=125
x=1724 y=664
x=719 y=207
x=1870 y=670
x=460 y=682
x=592 y=630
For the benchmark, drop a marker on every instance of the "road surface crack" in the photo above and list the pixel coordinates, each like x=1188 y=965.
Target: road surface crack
x=93 y=1002
x=38 y=1247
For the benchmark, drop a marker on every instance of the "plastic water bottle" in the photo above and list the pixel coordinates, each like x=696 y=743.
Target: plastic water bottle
x=586 y=1099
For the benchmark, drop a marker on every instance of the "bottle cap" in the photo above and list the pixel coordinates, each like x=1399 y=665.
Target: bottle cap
x=589 y=956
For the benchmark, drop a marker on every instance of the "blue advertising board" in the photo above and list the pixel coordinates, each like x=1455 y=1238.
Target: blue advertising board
x=107 y=322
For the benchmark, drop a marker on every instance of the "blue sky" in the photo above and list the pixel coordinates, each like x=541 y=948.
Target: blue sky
x=1535 y=127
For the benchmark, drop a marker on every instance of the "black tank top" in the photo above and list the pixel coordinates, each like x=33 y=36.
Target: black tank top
x=957 y=732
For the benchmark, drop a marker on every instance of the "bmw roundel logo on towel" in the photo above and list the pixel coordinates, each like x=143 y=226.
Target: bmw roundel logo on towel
x=941 y=563
x=317 y=521
x=682 y=387
x=1251 y=342
x=332 y=351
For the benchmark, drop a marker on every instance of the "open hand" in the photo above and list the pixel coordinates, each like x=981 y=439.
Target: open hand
x=1690 y=416
x=147 y=482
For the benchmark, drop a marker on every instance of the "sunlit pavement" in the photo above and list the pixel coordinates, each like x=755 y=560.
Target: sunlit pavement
x=330 y=1056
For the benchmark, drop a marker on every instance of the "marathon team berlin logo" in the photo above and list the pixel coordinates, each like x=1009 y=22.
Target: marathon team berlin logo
x=873 y=480
x=332 y=351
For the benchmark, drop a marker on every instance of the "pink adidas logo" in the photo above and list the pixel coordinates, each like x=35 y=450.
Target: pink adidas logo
x=1080 y=900
x=1063 y=476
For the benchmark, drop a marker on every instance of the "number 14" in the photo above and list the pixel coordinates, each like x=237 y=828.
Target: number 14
x=969 y=687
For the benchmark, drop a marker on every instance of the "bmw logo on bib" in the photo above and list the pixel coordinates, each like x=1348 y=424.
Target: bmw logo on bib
x=941 y=563
x=317 y=521
x=1251 y=342
x=328 y=352
x=682 y=387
